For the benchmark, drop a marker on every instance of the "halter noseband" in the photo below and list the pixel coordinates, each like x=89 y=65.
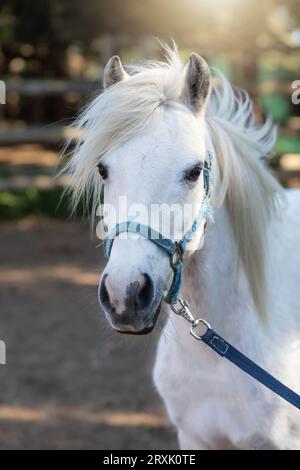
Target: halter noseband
x=174 y=249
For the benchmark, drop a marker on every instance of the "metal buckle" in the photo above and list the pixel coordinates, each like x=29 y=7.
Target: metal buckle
x=202 y=322
x=219 y=345
x=176 y=257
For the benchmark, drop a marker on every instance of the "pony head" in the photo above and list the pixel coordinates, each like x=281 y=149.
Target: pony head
x=146 y=136
x=157 y=173
x=145 y=141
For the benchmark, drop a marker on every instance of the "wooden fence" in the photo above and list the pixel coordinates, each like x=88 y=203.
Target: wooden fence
x=76 y=92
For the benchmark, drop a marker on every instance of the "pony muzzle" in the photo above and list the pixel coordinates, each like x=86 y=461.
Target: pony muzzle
x=132 y=307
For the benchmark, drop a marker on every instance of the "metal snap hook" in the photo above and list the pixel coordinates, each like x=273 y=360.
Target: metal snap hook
x=181 y=308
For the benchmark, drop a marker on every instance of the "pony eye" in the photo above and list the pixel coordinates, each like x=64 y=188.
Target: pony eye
x=103 y=172
x=193 y=174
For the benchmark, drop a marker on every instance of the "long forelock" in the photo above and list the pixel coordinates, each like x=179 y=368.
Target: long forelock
x=118 y=114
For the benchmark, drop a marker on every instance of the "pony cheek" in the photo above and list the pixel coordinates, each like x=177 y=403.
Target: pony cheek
x=160 y=267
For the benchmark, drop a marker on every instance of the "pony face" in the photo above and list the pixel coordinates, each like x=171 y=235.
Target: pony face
x=155 y=179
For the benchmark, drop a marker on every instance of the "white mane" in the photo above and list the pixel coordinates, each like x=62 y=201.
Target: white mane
x=128 y=107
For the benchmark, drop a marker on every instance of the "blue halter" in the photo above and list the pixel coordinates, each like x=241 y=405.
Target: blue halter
x=174 y=249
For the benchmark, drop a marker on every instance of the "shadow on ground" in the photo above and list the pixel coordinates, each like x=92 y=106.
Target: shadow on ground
x=69 y=381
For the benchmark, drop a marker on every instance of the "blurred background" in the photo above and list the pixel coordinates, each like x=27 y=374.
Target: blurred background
x=69 y=382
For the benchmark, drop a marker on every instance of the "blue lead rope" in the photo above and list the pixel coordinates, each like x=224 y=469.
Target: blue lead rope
x=224 y=349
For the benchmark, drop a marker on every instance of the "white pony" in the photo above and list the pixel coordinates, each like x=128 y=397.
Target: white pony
x=148 y=134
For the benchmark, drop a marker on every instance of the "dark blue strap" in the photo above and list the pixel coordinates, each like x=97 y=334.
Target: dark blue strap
x=223 y=348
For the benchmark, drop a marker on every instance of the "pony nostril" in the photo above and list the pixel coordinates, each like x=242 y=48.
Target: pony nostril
x=145 y=294
x=103 y=294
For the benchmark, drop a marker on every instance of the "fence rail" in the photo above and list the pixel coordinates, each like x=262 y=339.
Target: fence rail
x=48 y=135
x=48 y=87
x=39 y=89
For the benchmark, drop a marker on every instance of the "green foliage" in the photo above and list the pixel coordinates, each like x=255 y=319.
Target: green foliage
x=47 y=203
x=277 y=105
x=287 y=144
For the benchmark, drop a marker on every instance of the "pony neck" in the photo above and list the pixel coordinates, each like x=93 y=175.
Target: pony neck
x=213 y=281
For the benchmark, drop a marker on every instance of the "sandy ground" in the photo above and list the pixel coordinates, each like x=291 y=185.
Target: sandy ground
x=69 y=382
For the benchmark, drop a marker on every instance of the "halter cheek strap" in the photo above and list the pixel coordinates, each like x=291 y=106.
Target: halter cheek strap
x=174 y=249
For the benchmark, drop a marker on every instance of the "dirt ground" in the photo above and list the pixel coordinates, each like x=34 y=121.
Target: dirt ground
x=69 y=382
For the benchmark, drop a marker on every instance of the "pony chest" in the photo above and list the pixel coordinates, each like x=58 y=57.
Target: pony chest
x=182 y=376
x=204 y=395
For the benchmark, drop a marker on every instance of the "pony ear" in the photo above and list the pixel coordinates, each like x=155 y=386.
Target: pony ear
x=113 y=72
x=197 y=83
